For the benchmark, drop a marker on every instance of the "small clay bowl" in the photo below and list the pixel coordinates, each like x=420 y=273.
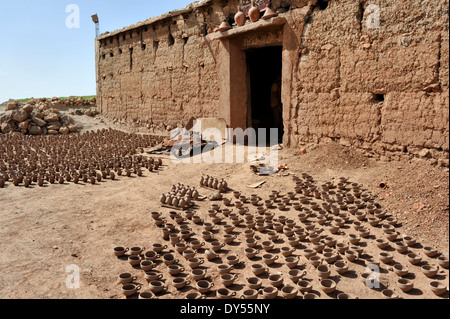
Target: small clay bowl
x=354 y=239
x=269 y=259
x=386 y=257
x=316 y=261
x=268 y=246
x=443 y=261
x=328 y=286
x=414 y=258
x=232 y=260
x=391 y=235
x=361 y=215
x=251 y=253
x=254 y=283
x=180 y=283
x=341 y=267
x=391 y=221
x=134 y=260
x=330 y=257
x=198 y=274
x=387 y=228
x=289 y=292
x=292 y=262
x=175 y=269
x=126 y=278
x=405 y=284
x=364 y=232
x=147 y=265
x=319 y=247
x=401 y=247
x=228 y=279
x=373 y=221
x=401 y=270
x=136 y=251
x=430 y=270
x=358 y=249
x=120 y=251
x=389 y=294
x=224 y=269
x=382 y=243
x=269 y=292
x=276 y=280
x=304 y=286
x=130 y=289
x=293 y=241
x=324 y=271
x=351 y=255
x=438 y=288
x=410 y=241
x=250 y=294
x=430 y=251
x=314 y=238
x=308 y=253
x=342 y=247
x=146 y=295
x=258 y=269
x=295 y=275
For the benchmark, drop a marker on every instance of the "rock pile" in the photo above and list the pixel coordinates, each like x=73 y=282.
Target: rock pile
x=44 y=103
x=36 y=119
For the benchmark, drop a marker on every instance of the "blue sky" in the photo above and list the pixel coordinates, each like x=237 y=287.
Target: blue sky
x=41 y=57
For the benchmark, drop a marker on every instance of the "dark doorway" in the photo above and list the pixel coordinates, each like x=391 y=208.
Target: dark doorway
x=265 y=109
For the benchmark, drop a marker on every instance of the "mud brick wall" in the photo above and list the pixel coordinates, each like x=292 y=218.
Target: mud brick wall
x=158 y=74
x=383 y=90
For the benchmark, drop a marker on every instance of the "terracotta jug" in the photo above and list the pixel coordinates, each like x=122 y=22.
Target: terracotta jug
x=254 y=12
x=240 y=18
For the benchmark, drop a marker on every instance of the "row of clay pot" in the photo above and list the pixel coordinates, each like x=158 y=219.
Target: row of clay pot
x=254 y=15
x=75 y=158
x=390 y=222
x=309 y=225
x=287 y=292
x=212 y=182
x=385 y=257
x=180 y=196
x=387 y=225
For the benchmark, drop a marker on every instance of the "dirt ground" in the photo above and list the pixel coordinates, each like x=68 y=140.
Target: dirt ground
x=45 y=230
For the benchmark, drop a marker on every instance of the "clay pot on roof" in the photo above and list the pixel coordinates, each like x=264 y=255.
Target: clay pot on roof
x=269 y=13
x=254 y=12
x=240 y=17
x=224 y=26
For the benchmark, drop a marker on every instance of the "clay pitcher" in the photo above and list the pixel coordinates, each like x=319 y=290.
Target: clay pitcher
x=240 y=18
x=254 y=12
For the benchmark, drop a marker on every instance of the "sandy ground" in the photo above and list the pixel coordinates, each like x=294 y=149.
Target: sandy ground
x=45 y=230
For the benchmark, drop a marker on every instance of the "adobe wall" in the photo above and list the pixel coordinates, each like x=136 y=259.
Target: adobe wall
x=174 y=74
x=383 y=90
x=344 y=64
x=165 y=80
